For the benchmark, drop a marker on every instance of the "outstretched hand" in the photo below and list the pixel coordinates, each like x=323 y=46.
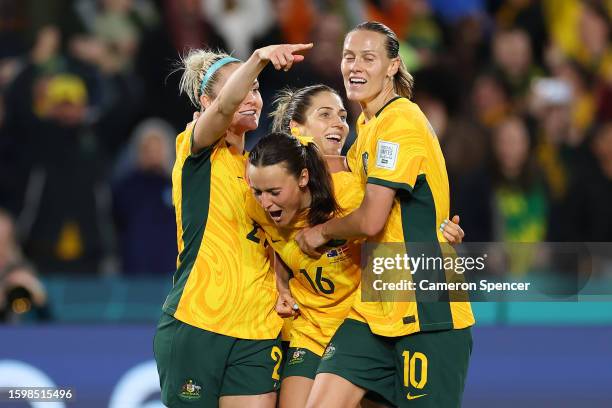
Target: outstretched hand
x=283 y=56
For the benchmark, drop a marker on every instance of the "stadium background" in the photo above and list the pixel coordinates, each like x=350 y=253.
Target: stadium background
x=518 y=91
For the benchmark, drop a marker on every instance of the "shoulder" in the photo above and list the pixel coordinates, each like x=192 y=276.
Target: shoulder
x=402 y=112
x=347 y=189
x=403 y=118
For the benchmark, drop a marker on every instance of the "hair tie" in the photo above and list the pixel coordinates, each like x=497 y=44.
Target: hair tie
x=214 y=68
x=304 y=140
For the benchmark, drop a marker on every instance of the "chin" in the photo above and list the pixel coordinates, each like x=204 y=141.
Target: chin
x=332 y=150
x=246 y=125
x=354 y=96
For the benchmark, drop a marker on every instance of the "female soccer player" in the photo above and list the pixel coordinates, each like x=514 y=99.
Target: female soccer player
x=293 y=189
x=277 y=162
x=216 y=342
x=412 y=353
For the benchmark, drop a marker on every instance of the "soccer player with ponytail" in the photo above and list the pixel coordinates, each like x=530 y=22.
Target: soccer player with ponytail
x=289 y=180
x=414 y=353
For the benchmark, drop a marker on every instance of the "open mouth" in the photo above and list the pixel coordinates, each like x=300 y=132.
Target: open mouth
x=275 y=215
x=334 y=138
x=356 y=81
x=249 y=112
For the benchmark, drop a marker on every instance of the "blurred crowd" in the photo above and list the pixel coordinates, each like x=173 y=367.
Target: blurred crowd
x=519 y=93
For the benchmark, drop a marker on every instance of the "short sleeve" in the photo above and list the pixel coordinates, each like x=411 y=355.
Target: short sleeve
x=399 y=150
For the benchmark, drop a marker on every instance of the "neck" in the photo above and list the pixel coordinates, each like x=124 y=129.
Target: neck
x=372 y=106
x=235 y=140
x=511 y=173
x=336 y=164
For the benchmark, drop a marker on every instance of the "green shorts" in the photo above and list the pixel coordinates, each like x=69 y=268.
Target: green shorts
x=426 y=369
x=196 y=366
x=300 y=362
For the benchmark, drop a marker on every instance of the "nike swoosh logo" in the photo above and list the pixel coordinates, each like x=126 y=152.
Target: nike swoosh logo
x=412 y=397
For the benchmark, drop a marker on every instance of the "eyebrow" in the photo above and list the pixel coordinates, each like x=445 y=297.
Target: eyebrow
x=360 y=52
x=267 y=189
x=329 y=107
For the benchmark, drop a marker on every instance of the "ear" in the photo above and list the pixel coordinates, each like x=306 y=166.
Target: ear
x=304 y=178
x=205 y=101
x=393 y=67
x=300 y=128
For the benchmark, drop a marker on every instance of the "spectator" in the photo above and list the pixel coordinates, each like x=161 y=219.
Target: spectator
x=589 y=213
x=64 y=215
x=513 y=58
x=519 y=194
x=142 y=203
x=22 y=294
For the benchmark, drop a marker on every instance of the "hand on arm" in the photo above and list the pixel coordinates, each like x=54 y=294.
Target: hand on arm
x=366 y=221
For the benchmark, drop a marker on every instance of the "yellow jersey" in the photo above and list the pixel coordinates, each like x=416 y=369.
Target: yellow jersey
x=398 y=149
x=324 y=288
x=224 y=282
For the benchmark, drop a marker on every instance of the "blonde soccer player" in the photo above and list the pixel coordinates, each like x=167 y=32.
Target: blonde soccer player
x=414 y=353
x=217 y=340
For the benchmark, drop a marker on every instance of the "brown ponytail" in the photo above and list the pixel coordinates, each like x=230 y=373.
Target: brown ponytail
x=283 y=148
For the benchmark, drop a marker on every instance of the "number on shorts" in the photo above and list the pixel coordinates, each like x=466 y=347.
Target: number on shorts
x=410 y=374
x=277 y=355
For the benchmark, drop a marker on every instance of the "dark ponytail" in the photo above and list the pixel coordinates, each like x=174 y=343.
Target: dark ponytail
x=277 y=148
x=324 y=204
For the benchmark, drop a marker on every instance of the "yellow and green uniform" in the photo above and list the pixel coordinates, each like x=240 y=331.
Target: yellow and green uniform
x=224 y=282
x=219 y=331
x=324 y=288
x=410 y=353
x=398 y=149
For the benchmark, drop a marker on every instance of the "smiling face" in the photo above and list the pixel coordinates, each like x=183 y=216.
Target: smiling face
x=511 y=146
x=326 y=122
x=366 y=68
x=278 y=192
x=246 y=117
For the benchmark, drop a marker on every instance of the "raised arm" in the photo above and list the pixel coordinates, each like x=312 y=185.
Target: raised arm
x=217 y=116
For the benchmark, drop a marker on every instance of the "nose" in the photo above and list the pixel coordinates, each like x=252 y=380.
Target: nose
x=338 y=123
x=249 y=99
x=355 y=65
x=266 y=202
